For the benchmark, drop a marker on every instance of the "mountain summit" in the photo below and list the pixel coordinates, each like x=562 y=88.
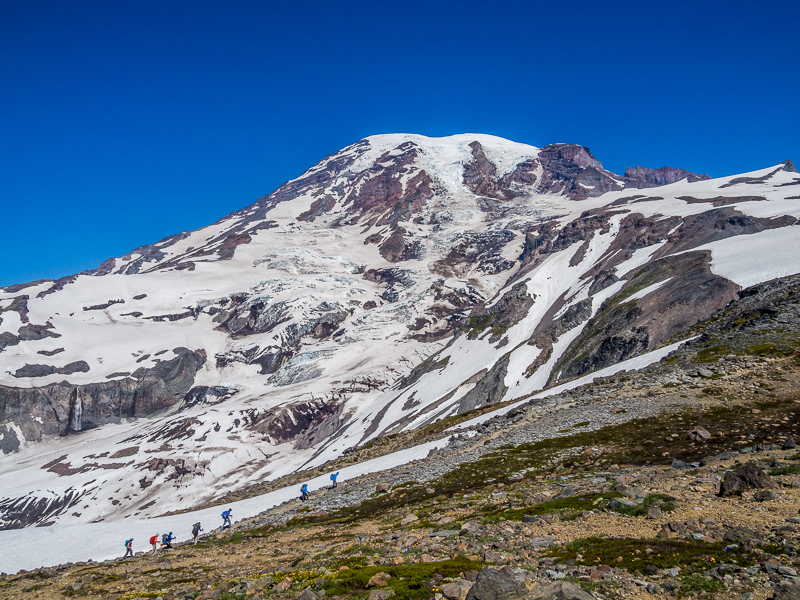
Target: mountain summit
x=398 y=281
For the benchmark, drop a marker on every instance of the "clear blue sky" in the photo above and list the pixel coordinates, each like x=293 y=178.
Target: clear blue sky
x=124 y=122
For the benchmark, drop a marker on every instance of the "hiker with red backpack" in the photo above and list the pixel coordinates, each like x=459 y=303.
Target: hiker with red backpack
x=154 y=542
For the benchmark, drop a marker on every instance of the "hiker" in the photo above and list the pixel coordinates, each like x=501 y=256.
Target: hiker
x=226 y=519
x=128 y=548
x=166 y=540
x=304 y=492
x=196 y=529
x=333 y=479
x=154 y=542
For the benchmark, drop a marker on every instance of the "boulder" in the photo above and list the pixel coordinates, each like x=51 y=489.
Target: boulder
x=699 y=434
x=764 y=496
x=558 y=590
x=307 y=595
x=740 y=535
x=494 y=585
x=786 y=590
x=456 y=590
x=408 y=518
x=789 y=444
x=380 y=594
x=283 y=585
x=747 y=477
x=383 y=487
x=378 y=580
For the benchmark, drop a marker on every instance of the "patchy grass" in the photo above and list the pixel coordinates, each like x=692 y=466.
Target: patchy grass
x=665 y=502
x=636 y=554
x=569 y=507
x=409 y=582
x=789 y=470
x=698 y=585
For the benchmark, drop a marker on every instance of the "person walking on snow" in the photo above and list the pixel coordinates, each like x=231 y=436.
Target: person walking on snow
x=304 y=492
x=128 y=548
x=154 y=542
x=166 y=540
x=226 y=519
x=196 y=529
x=333 y=479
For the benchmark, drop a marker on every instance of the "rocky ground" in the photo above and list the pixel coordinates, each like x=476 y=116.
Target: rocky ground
x=682 y=480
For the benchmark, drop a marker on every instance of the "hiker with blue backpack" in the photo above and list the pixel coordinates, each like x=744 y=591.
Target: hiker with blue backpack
x=333 y=479
x=128 y=548
x=226 y=519
x=166 y=540
x=304 y=492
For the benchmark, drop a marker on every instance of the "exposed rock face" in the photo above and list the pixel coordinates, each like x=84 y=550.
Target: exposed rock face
x=52 y=409
x=642 y=177
x=623 y=328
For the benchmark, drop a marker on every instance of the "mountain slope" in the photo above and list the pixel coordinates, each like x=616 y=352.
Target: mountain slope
x=398 y=281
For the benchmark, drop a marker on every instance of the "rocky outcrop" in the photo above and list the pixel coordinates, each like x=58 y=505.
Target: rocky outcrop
x=642 y=177
x=571 y=170
x=64 y=408
x=476 y=251
x=624 y=327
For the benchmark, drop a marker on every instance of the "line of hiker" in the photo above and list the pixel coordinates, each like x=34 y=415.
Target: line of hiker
x=305 y=494
x=168 y=538
x=227 y=515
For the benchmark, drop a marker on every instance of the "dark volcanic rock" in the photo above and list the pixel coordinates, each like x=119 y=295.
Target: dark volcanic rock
x=747 y=477
x=558 y=590
x=642 y=177
x=495 y=585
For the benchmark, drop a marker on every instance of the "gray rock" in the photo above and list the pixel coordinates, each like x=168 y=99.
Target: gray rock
x=494 y=585
x=746 y=477
x=558 y=590
x=445 y=533
x=530 y=518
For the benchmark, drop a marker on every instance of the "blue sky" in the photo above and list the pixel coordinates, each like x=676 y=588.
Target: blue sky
x=124 y=122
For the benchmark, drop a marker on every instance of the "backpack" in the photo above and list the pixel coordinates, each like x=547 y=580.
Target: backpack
x=165 y=539
x=154 y=540
x=225 y=515
x=128 y=543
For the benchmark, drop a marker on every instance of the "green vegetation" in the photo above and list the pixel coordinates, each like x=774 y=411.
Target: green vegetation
x=774 y=350
x=697 y=584
x=663 y=501
x=790 y=470
x=409 y=582
x=568 y=508
x=635 y=554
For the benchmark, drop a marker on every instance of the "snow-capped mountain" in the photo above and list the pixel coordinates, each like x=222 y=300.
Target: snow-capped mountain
x=398 y=281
